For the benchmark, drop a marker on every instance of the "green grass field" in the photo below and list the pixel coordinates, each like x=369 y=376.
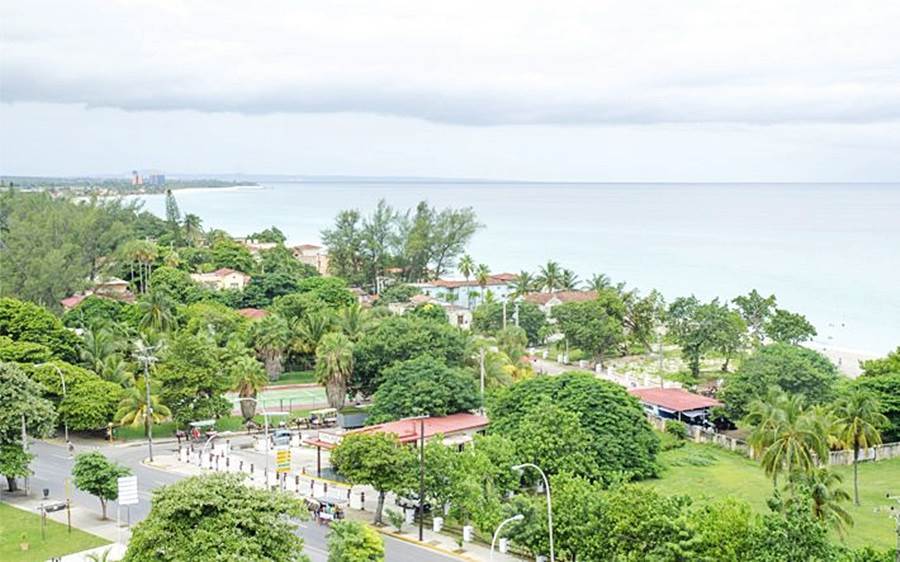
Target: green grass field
x=296 y=377
x=59 y=542
x=706 y=472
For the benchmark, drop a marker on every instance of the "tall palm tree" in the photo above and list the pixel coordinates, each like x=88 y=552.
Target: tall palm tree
x=271 y=337
x=599 y=282
x=482 y=276
x=466 y=266
x=117 y=370
x=157 y=312
x=858 y=418
x=522 y=284
x=308 y=330
x=97 y=345
x=822 y=488
x=193 y=229
x=133 y=407
x=248 y=378
x=568 y=281
x=549 y=276
x=353 y=321
x=334 y=366
x=787 y=438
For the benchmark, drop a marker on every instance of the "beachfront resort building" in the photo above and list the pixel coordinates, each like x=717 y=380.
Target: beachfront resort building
x=458 y=316
x=222 y=279
x=467 y=293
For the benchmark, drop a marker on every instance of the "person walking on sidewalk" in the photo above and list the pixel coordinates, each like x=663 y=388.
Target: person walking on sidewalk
x=71 y=448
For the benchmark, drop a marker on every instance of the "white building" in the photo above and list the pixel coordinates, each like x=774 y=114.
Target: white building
x=223 y=278
x=467 y=293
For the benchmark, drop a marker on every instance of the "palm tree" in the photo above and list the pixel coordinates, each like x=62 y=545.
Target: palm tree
x=482 y=276
x=248 y=378
x=522 y=284
x=789 y=439
x=466 y=266
x=568 y=280
x=115 y=369
x=353 y=321
x=271 y=337
x=858 y=418
x=600 y=282
x=133 y=407
x=334 y=366
x=96 y=347
x=549 y=276
x=156 y=312
x=308 y=330
x=193 y=230
x=822 y=487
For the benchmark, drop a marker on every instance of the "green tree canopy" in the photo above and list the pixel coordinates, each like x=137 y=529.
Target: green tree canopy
x=401 y=338
x=23 y=351
x=353 y=541
x=193 y=380
x=795 y=370
x=596 y=327
x=756 y=311
x=218 y=517
x=376 y=459
x=95 y=474
x=175 y=284
x=20 y=399
x=420 y=386
x=621 y=438
x=93 y=311
x=27 y=322
x=789 y=327
x=488 y=319
x=230 y=254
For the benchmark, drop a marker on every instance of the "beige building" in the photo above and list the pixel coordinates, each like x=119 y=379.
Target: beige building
x=312 y=255
x=546 y=301
x=221 y=279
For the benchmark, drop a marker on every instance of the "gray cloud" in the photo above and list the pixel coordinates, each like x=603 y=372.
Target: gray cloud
x=507 y=63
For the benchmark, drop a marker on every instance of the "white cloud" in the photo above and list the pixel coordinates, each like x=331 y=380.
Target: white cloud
x=465 y=62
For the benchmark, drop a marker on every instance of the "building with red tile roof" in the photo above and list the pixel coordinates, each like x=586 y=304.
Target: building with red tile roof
x=253 y=313
x=675 y=403
x=456 y=429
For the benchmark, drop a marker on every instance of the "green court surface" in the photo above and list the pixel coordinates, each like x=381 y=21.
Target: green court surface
x=287 y=399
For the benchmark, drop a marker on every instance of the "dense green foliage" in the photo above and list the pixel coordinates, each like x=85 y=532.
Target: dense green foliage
x=488 y=319
x=796 y=370
x=618 y=436
x=352 y=541
x=20 y=400
x=700 y=328
x=23 y=321
x=596 y=327
x=218 y=517
x=423 y=386
x=401 y=338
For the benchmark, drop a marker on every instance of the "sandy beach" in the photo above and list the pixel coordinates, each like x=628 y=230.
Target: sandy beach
x=846 y=360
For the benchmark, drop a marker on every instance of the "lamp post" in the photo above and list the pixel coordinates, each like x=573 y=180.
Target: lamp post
x=421 y=507
x=63 y=379
x=520 y=467
x=517 y=517
x=145 y=356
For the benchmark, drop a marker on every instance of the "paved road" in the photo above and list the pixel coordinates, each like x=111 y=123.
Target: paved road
x=52 y=466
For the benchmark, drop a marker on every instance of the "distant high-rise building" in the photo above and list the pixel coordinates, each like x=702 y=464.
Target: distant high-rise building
x=156 y=179
x=136 y=178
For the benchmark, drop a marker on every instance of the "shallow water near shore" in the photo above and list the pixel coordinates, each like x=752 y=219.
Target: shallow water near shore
x=830 y=251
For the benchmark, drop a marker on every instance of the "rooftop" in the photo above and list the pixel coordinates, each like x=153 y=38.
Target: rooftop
x=253 y=313
x=562 y=296
x=674 y=399
x=407 y=430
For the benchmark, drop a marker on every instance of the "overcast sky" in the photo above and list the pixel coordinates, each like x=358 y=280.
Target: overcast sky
x=693 y=90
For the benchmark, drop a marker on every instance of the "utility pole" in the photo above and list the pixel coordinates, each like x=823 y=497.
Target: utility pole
x=25 y=450
x=504 y=314
x=145 y=356
x=421 y=477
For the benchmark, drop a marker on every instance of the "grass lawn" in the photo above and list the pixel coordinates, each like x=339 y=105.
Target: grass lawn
x=14 y=522
x=296 y=377
x=706 y=472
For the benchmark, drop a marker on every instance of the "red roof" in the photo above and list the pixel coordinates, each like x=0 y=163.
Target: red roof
x=674 y=399
x=563 y=296
x=253 y=313
x=73 y=301
x=498 y=279
x=407 y=430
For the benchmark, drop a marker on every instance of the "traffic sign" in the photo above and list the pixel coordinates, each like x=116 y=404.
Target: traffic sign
x=282 y=460
x=128 y=490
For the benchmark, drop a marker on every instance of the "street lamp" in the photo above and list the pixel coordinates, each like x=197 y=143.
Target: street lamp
x=421 y=507
x=63 y=378
x=517 y=517
x=144 y=355
x=519 y=468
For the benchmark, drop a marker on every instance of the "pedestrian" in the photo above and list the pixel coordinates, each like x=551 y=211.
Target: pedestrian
x=71 y=448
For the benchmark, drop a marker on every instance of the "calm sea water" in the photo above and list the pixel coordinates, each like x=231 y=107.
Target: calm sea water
x=829 y=251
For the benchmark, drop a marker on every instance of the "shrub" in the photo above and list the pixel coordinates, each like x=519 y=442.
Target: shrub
x=676 y=429
x=396 y=519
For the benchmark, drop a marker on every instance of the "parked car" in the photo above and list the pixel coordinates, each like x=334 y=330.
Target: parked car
x=281 y=437
x=411 y=501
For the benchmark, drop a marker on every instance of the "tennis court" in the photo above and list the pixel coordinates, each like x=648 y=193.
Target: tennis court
x=288 y=399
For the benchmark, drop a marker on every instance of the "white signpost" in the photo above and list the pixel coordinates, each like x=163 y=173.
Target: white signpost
x=128 y=496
